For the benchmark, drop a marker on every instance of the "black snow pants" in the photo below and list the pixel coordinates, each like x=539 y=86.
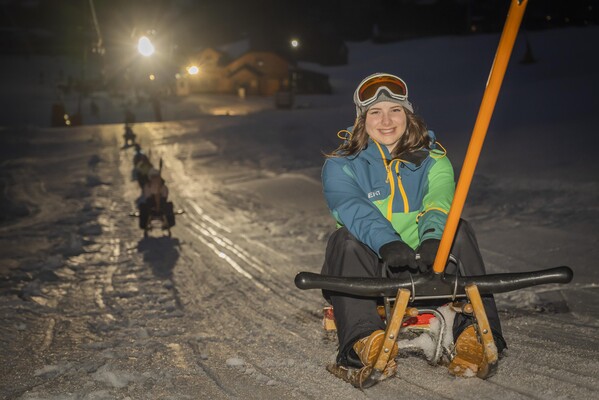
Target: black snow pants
x=357 y=317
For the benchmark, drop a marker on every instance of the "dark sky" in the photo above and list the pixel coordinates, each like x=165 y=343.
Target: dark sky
x=67 y=25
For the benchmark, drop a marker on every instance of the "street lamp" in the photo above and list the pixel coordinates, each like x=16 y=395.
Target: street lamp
x=145 y=46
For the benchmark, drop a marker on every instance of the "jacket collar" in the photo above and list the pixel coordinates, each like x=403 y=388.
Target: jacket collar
x=372 y=153
x=414 y=157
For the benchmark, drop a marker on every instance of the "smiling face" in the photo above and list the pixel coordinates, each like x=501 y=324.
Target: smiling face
x=386 y=123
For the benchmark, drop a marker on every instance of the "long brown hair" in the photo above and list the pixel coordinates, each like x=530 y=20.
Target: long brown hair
x=414 y=138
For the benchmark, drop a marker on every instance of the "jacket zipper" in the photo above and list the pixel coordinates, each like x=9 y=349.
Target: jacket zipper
x=391 y=181
x=404 y=196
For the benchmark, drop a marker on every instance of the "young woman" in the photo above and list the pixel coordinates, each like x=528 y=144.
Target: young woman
x=389 y=186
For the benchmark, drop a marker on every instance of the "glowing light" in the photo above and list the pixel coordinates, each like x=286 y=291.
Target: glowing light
x=193 y=70
x=145 y=46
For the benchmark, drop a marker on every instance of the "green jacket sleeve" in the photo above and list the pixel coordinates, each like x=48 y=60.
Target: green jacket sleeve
x=437 y=200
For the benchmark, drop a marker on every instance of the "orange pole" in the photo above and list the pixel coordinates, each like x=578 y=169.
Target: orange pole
x=502 y=57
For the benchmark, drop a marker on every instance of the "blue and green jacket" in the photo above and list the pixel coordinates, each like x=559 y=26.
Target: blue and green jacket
x=380 y=200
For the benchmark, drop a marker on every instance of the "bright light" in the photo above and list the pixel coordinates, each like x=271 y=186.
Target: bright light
x=145 y=46
x=295 y=43
x=193 y=70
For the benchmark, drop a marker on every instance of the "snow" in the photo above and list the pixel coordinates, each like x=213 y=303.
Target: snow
x=235 y=362
x=93 y=310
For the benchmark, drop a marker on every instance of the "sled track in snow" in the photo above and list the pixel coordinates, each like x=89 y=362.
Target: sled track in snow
x=215 y=236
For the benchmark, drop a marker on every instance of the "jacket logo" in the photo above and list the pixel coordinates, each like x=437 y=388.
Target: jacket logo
x=373 y=194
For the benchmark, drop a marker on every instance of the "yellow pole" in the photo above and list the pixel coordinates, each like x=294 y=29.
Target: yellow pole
x=502 y=57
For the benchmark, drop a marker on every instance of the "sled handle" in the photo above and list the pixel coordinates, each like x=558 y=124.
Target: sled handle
x=502 y=57
x=429 y=286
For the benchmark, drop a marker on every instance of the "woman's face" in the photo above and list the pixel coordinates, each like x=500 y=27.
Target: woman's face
x=385 y=123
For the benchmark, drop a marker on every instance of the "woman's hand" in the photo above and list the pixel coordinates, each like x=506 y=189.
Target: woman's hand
x=427 y=252
x=398 y=254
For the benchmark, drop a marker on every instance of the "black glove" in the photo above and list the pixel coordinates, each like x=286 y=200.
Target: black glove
x=398 y=254
x=427 y=251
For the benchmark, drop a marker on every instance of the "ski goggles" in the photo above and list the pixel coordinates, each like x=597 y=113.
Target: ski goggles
x=371 y=87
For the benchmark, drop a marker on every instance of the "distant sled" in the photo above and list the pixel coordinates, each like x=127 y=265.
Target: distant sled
x=136 y=213
x=157 y=219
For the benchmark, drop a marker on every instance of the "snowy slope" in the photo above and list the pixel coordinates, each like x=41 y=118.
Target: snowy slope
x=92 y=310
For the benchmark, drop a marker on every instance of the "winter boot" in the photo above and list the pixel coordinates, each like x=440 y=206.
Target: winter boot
x=367 y=350
x=369 y=347
x=469 y=357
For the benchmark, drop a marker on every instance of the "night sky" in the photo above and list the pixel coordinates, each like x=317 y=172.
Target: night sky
x=67 y=26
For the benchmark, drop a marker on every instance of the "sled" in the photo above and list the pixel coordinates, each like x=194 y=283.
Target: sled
x=157 y=222
x=136 y=213
x=463 y=293
x=157 y=219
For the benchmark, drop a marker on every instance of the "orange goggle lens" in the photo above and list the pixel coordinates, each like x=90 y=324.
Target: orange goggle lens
x=369 y=89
